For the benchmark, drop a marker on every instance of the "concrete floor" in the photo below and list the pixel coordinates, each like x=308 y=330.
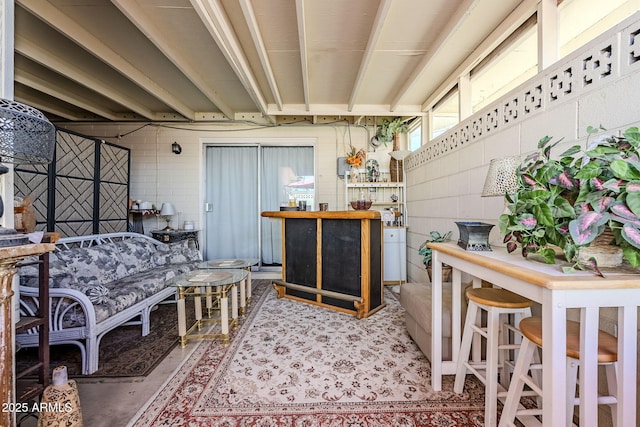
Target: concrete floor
x=113 y=402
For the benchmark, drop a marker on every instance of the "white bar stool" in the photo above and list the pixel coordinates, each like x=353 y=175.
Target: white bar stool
x=531 y=329
x=498 y=304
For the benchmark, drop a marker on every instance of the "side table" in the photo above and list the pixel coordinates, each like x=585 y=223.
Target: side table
x=208 y=284
x=225 y=264
x=171 y=236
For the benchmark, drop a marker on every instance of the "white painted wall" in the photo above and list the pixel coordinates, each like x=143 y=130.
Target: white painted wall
x=158 y=175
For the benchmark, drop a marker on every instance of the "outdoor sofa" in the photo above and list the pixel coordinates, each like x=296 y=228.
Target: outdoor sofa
x=99 y=282
x=415 y=298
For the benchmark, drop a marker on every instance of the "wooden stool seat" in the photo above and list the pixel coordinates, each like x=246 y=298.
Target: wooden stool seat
x=531 y=330
x=531 y=327
x=495 y=297
x=499 y=305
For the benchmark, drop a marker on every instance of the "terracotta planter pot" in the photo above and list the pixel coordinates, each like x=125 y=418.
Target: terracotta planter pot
x=446 y=273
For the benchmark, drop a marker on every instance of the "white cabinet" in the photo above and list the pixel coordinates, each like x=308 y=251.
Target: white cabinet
x=395 y=255
x=383 y=195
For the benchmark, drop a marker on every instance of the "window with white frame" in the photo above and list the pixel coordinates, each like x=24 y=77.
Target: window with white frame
x=512 y=63
x=516 y=59
x=445 y=114
x=415 y=134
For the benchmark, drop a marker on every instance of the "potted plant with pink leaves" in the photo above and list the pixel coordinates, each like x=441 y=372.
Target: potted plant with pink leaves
x=585 y=199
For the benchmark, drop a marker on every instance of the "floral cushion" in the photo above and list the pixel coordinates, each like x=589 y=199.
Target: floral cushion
x=95 y=265
x=136 y=254
x=59 y=276
x=151 y=282
x=176 y=253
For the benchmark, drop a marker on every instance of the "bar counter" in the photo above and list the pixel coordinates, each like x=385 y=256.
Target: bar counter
x=332 y=259
x=324 y=214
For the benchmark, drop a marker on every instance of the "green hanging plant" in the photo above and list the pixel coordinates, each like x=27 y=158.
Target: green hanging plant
x=389 y=128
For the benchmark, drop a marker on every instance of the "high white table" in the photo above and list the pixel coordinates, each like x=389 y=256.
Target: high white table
x=557 y=292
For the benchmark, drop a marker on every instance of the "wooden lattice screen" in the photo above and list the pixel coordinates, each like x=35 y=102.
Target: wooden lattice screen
x=85 y=190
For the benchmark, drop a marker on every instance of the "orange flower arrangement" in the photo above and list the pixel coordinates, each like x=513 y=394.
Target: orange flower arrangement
x=356 y=158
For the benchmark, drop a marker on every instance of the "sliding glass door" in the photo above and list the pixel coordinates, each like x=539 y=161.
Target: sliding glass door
x=287 y=177
x=241 y=182
x=231 y=202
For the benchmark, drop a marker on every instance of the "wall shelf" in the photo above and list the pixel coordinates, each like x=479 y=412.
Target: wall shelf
x=380 y=193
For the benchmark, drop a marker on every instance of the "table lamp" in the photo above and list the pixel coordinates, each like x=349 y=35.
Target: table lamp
x=501 y=177
x=26 y=137
x=167 y=211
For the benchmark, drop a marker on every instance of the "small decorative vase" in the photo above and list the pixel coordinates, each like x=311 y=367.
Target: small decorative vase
x=62 y=402
x=474 y=236
x=353 y=174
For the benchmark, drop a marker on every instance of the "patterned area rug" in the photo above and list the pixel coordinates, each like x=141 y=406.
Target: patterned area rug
x=124 y=353
x=294 y=364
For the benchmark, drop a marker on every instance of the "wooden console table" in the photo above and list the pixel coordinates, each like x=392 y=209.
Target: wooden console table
x=171 y=236
x=332 y=259
x=556 y=292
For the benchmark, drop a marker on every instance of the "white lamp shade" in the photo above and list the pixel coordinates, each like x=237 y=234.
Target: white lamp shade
x=167 y=209
x=501 y=177
x=400 y=155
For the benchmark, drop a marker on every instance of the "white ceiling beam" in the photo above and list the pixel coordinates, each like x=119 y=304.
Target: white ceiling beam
x=45 y=58
x=36 y=102
x=212 y=14
x=381 y=110
x=7 y=31
x=304 y=60
x=548 y=46
x=31 y=80
x=173 y=53
x=62 y=23
x=374 y=36
x=515 y=19
x=440 y=43
x=258 y=41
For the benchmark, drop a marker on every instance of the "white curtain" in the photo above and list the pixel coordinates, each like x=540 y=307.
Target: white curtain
x=232 y=192
x=279 y=166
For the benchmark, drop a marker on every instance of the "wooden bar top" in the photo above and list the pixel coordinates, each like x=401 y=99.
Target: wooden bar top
x=368 y=214
x=549 y=276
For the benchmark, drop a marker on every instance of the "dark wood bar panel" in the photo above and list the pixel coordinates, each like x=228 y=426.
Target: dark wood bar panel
x=332 y=259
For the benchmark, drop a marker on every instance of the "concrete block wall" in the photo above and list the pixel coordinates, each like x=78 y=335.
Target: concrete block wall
x=597 y=85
